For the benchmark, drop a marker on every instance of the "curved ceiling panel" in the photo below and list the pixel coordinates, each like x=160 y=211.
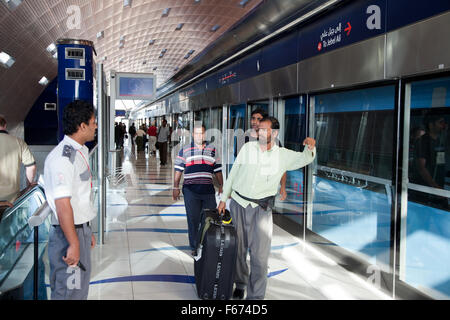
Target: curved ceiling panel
x=127 y=38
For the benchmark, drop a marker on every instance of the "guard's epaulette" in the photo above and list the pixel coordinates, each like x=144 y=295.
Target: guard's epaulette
x=69 y=152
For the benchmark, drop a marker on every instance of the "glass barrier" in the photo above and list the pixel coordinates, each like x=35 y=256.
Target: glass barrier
x=425 y=260
x=17 y=249
x=294 y=134
x=95 y=198
x=352 y=173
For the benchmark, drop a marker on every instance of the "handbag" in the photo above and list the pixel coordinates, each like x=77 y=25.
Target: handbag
x=265 y=203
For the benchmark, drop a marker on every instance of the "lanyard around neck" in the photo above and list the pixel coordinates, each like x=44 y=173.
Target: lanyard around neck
x=88 y=167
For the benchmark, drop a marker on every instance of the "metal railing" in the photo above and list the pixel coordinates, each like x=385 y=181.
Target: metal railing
x=36 y=220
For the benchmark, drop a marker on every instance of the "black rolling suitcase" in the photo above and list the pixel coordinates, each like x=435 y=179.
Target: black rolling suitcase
x=215 y=261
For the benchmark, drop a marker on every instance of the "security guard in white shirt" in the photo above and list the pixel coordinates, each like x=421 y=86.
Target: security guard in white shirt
x=68 y=187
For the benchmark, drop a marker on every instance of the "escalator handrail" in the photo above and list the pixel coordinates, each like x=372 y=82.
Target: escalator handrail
x=25 y=194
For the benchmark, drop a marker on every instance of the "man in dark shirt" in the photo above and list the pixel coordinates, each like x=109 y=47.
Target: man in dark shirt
x=429 y=160
x=198 y=161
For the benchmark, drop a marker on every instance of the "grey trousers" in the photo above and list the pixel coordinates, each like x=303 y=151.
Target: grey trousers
x=254 y=231
x=69 y=283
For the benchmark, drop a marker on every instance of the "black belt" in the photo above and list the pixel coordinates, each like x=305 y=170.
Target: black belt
x=77 y=226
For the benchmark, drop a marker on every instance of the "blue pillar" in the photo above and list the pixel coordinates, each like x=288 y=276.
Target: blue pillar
x=75 y=75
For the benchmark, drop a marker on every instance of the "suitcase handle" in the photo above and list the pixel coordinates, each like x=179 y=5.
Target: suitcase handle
x=224 y=219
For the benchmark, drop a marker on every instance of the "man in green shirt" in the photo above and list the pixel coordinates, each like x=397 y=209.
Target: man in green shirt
x=252 y=184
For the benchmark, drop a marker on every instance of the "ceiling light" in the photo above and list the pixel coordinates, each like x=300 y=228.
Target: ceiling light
x=51 y=47
x=166 y=12
x=126 y=3
x=12 y=4
x=189 y=54
x=53 y=50
x=151 y=42
x=154 y=69
x=197 y=1
x=144 y=62
x=100 y=34
x=122 y=38
x=243 y=3
x=215 y=28
x=121 y=45
x=6 y=60
x=163 y=51
x=120 y=60
x=179 y=26
x=43 y=81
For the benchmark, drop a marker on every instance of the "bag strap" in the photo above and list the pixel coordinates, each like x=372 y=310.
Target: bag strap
x=205 y=228
x=219 y=267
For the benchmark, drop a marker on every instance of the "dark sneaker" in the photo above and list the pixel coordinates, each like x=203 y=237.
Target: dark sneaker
x=238 y=294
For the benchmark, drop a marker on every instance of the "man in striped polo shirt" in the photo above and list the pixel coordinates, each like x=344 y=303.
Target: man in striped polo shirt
x=199 y=161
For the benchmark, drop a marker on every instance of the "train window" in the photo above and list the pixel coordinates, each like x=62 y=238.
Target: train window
x=202 y=116
x=354 y=131
x=215 y=135
x=236 y=134
x=295 y=124
x=425 y=229
x=294 y=134
x=352 y=174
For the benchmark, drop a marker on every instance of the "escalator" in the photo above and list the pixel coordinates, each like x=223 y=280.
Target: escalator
x=24 y=230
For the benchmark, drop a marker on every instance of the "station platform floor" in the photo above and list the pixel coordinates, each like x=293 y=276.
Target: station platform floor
x=146 y=254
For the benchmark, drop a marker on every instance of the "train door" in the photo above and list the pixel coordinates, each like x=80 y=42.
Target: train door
x=425 y=229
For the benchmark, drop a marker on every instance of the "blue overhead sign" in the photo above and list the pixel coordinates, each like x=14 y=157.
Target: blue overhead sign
x=352 y=23
x=404 y=12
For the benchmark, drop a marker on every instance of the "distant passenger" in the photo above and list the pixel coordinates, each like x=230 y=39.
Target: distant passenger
x=132 y=132
x=68 y=187
x=152 y=138
x=256 y=116
x=140 y=141
x=198 y=161
x=14 y=152
x=122 y=133
x=163 y=137
x=252 y=185
x=117 y=131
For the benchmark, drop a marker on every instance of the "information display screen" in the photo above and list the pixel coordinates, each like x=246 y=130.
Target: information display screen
x=136 y=86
